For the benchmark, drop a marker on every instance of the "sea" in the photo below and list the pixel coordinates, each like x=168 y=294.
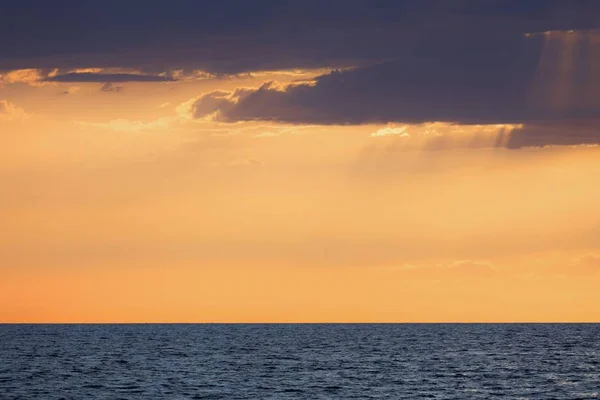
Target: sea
x=300 y=361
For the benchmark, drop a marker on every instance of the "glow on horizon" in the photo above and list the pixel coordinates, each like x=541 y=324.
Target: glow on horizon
x=162 y=218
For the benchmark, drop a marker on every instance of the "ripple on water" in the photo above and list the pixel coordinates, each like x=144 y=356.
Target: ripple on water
x=300 y=361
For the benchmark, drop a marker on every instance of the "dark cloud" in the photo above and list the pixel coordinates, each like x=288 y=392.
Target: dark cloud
x=473 y=86
x=556 y=133
x=548 y=83
x=233 y=36
x=76 y=77
x=109 y=87
x=217 y=101
x=485 y=89
x=458 y=61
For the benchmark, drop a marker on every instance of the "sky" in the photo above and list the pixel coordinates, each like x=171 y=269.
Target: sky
x=286 y=161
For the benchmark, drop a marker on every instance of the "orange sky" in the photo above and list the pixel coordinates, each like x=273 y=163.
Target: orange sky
x=119 y=207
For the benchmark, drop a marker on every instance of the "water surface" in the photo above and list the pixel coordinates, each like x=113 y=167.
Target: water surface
x=311 y=361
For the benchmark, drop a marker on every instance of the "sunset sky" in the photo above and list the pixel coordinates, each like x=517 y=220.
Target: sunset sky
x=299 y=161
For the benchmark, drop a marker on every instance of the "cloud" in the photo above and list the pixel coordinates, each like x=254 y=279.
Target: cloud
x=207 y=105
x=434 y=136
x=43 y=77
x=33 y=77
x=109 y=87
x=487 y=89
x=590 y=260
x=70 y=90
x=248 y=104
x=104 y=77
x=391 y=130
x=235 y=36
x=584 y=266
x=524 y=84
x=570 y=132
x=10 y=112
x=454 y=61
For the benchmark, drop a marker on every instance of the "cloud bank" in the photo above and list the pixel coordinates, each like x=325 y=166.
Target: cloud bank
x=81 y=77
x=453 y=61
x=546 y=83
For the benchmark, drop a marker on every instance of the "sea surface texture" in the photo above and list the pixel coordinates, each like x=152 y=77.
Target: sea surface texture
x=412 y=361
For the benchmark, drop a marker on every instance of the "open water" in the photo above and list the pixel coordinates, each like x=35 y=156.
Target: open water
x=305 y=361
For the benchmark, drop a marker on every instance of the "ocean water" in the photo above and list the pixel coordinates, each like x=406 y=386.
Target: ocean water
x=312 y=361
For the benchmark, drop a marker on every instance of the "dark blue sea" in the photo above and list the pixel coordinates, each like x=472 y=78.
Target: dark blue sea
x=306 y=361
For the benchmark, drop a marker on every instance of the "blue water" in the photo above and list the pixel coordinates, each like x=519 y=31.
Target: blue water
x=412 y=361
